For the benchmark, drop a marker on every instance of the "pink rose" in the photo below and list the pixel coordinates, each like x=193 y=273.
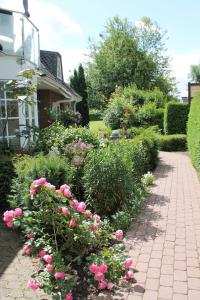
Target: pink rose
x=72 y=223
x=97 y=218
x=73 y=203
x=33 y=191
x=65 y=211
x=29 y=235
x=67 y=193
x=9 y=224
x=129 y=275
x=81 y=207
x=93 y=268
x=41 y=181
x=8 y=215
x=27 y=250
x=102 y=285
x=18 y=212
x=59 y=275
x=49 y=268
x=99 y=276
x=128 y=262
x=119 y=235
x=110 y=285
x=69 y=296
x=48 y=259
x=88 y=214
x=64 y=187
x=103 y=268
x=33 y=284
x=94 y=227
x=42 y=253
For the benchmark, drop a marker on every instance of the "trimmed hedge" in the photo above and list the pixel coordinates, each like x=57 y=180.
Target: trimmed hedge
x=174 y=142
x=193 y=132
x=6 y=174
x=149 y=115
x=175 y=118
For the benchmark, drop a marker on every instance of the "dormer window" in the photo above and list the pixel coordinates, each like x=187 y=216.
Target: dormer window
x=59 y=69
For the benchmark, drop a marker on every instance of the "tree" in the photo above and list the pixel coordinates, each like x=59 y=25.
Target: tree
x=195 y=73
x=126 y=54
x=78 y=83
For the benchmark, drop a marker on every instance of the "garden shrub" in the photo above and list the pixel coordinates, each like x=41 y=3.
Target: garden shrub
x=6 y=175
x=193 y=132
x=175 y=118
x=174 y=142
x=95 y=115
x=149 y=115
x=55 y=168
x=120 y=113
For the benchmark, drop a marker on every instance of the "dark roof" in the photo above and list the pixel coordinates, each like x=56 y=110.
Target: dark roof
x=48 y=66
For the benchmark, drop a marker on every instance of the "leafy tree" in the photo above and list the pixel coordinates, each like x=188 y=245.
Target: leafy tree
x=127 y=54
x=78 y=83
x=195 y=73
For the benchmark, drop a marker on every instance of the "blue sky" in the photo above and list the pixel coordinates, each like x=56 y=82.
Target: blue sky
x=66 y=25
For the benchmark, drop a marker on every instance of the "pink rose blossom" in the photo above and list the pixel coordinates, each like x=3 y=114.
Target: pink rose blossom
x=33 y=191
x=67 y=193
x=48 y=258
x=102 y=285
x=29 y=235
x=129 y=275
x=103 y=268
x=8 y=215
x=65 y=211
x=97 y=218
x=81 y=207
x=88 y=214
x=63 y=187
x=119 y=235
x=33 y=284
x=69 y=296
x=18 y=212
x=99 y=276
x=128 y=262
x=93 y=268
x=40 y=181
x=49 y=268
x=110 y=285
x=94 y=227
x=27 y=250
x=10 y=224
x=42 y=253
x=72 y=223
x=59 y=275
x=73 y=204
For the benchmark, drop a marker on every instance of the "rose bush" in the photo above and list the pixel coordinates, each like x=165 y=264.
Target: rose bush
x=66 y=237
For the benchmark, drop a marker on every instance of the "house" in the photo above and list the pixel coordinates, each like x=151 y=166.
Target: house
x=193 y=88
x=20 y=50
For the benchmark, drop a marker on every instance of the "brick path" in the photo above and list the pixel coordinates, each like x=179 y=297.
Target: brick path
x=164 y=242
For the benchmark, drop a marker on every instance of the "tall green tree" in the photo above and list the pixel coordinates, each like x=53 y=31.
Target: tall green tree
x=126 y=54
x=195 y=73
x=78 y=83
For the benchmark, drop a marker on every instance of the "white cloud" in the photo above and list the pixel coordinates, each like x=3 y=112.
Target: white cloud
x=180 y=65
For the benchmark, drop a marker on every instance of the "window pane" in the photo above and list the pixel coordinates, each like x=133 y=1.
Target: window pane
x=13 y=126
x=14 y=142
x=3 y=127
x=12 y=108
x=2 y=109
x=2 y=90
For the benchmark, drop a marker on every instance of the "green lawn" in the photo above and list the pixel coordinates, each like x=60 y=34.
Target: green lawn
x=96 y=125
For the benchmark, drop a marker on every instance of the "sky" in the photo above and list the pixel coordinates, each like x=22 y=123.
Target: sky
x=66 y=26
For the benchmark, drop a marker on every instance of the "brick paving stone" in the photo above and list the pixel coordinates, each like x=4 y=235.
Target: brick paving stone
x=166 y=280
x=165 y=292
x=194 y=283
x=193 y=295
x=180 y=287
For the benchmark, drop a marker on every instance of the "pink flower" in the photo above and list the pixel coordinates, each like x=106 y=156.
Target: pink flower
x=29 y=235
x=63 y=187
x=93 y=268
x=128 y=262
x=49 y=268
x=27 y=250
x=48 y=258
x=73 y=203
x=59 y=275
x=65 y=211
x=33 y=284
x=88 y=214
x=102 y=285
x=69 y=296
x=67 y=193
x=103 y=268
x=129 y=275
x=40 y=181
x=81 y=207
x=50 y=186
x=72 y=223
x=8 y=215
x=18 y=212
x=10 y=224
x=94 y=226
x=33 y=191
x=99 y=276
x=119 y=235
x=110 y=285
x=97 y=218
x=42 y=253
